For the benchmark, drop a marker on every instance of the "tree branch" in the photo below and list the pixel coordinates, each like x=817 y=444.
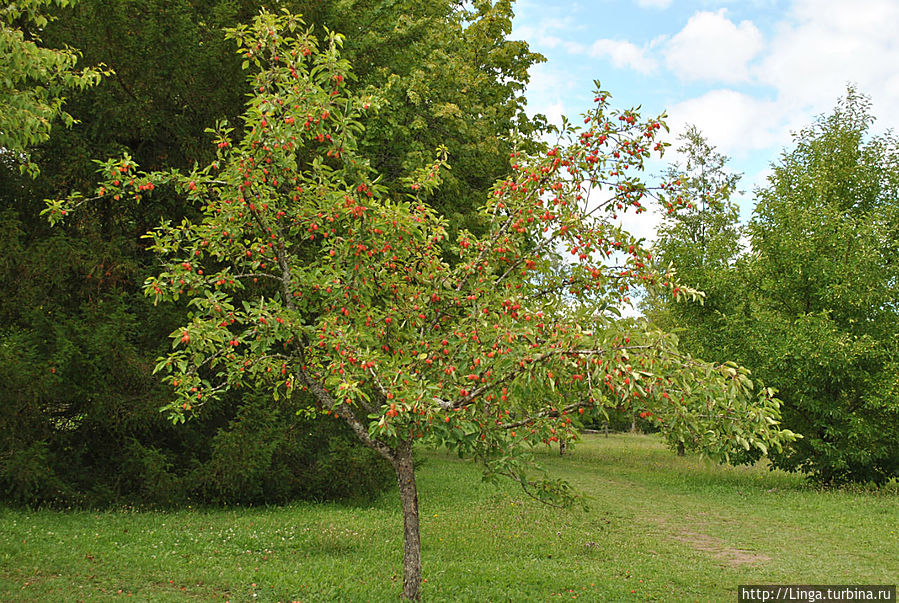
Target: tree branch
x=345 y=412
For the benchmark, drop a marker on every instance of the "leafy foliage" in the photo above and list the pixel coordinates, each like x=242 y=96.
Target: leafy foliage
x=812 y=307
x=446 y=75
x=73 y=296
x=826 y=329
x=34 y=79
x=303 y=272
x=699 y=242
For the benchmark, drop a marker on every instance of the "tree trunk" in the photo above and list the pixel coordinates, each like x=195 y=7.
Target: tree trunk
x=401 y=459
x=681 y=451
x=405 y=477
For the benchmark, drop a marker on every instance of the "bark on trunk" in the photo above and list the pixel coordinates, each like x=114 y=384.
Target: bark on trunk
x=405 y=477
x=401 y=459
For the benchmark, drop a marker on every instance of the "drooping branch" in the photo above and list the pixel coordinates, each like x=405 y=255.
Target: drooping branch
x=529 y=364
x=550 y=413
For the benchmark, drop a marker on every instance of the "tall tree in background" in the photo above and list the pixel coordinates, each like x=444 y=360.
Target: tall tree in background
x=824 y=279
x=448 y=76
x=700 y=241
x=812 y=308
x=78 y=337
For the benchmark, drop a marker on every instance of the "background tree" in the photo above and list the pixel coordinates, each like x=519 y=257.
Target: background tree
x=447 y=75
x=812 y=307
x=304 y=272
x=825 y=283
x=82 y=404
x=35 y=80
x=699 y=241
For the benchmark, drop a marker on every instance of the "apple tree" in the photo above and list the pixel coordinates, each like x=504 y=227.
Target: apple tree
x=302 y=274
x=73 y=297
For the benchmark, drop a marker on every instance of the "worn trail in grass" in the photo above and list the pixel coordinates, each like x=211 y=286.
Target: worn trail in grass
x=660 y=528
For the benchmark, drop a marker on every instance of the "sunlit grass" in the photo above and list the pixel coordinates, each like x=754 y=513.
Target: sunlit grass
x=660 y=528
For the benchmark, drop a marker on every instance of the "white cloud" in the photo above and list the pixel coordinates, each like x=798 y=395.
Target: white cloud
x=654 y=3
x=624 y=55
x=711 y=47
x=736 y=123
x=824 y=44
x=549 y=34
x=813 y=52
x=546 y=89
x=554 y=112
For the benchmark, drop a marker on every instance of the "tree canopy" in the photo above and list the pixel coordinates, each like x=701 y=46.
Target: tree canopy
x=700 y=241
x=78 y=337
x=304 y=271
x=811 y=306
x=823 y=271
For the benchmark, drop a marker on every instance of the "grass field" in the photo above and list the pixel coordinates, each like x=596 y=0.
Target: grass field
x=660 y=528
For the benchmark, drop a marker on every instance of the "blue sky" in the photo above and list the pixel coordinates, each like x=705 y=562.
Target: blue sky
x=747 y=72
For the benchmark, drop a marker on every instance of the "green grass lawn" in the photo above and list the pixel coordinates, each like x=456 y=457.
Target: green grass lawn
x=659 y=528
